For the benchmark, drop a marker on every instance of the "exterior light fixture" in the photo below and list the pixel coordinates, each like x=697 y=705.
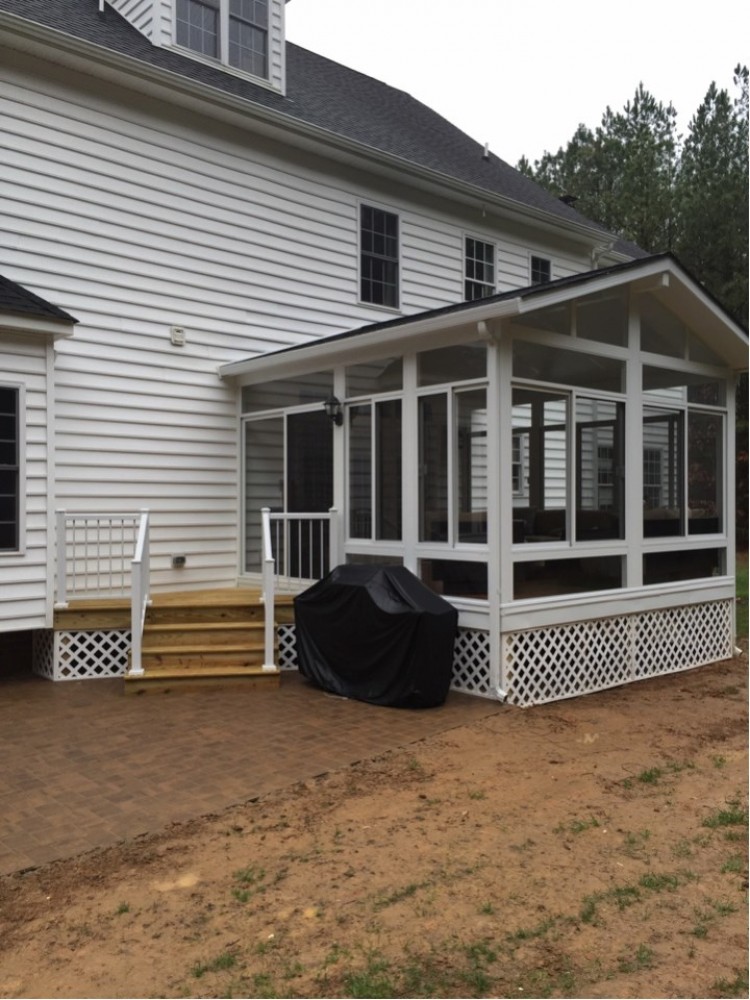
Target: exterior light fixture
x=334 y=410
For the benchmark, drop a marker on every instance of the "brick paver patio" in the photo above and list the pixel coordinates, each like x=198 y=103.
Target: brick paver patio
x=85 y=766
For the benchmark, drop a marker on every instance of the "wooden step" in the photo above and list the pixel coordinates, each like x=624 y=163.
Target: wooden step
x=218 y=634
x=193 y=657
x=165 y=681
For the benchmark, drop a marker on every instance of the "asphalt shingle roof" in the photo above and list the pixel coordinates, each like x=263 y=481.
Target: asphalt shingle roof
x=16 y=299
x=324 y=94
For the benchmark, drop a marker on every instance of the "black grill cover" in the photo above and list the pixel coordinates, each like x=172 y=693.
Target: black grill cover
x=377 y=634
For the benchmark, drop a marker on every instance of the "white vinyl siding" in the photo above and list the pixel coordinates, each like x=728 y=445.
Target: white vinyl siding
x=24 y=573
x=142 y=14
x=134 y=223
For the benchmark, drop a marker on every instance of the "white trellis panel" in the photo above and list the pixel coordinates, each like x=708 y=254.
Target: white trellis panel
x=90 y=655
x=287 y=647
x=563 y=661
x=471 y=663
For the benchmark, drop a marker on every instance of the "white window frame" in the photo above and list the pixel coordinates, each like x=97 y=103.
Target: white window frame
x=396 y=307
x=488 y=288
x=533 y=257
x=20 y=390
x=223 y=39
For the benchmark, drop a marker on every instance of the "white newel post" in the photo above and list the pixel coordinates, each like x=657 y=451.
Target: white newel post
x=334 y=539
x=268 y=585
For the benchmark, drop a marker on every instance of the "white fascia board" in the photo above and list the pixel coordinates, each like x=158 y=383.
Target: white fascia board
x=409 y=334
x=35 y=326
x=240 y=112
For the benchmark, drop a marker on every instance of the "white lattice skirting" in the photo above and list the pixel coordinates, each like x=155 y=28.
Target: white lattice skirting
x=76 y=656
x=563 y=661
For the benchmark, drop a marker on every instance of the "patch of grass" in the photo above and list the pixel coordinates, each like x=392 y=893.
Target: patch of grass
x=643 y=959
x=578 y=825
x=635 y=843
x=487 y=909
x=250 y=875
x=374 y=981
x=478 y=794
x=733 y=815
x=526 y=934
x=682 y=849
x=742 y=593
x=719 y=761
x=650 y=776
x=226 y=960
x=737 y=987
x=734 y=864
x=658 y=882
x=122 y=908
x=397 y=895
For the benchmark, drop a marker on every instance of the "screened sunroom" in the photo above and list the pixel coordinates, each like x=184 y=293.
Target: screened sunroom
x=555 y=461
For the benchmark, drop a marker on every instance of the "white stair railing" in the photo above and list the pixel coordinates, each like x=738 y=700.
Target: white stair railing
x=94 y=553
x=106 y=555
x=298 y=549
x=139 y=595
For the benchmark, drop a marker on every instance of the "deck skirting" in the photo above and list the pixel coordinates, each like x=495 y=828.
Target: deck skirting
x=539 y=665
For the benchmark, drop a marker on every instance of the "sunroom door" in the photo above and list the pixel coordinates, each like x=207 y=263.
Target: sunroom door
x=289 y=468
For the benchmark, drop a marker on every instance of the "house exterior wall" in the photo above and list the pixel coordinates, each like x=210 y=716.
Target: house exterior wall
x=24 y=575
x=137 y=219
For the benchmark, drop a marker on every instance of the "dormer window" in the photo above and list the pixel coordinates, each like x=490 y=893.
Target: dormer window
x=233 y=31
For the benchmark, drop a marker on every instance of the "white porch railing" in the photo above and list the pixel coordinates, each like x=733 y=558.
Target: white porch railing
x=298 y=549
x=106 y=555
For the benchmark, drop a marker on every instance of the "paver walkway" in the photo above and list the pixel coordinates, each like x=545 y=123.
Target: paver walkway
x=84 y=766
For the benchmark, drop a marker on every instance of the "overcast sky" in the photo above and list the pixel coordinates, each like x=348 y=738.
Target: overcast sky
x=522 y=76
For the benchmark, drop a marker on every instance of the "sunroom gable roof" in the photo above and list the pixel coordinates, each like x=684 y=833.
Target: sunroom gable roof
x=680 y=291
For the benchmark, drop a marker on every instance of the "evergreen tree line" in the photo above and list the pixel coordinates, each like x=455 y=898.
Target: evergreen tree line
x=640 y=179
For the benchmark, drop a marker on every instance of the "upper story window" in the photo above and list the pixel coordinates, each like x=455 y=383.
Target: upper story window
x=541 y=270
x=9 y=469
x=234 y=31
x=379 y=256
x=479 y=269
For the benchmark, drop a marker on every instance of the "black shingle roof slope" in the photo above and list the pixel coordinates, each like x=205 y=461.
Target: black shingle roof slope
x=16 y=299
x=324 y=94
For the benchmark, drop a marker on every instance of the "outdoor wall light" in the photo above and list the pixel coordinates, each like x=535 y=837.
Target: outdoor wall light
x=334 y=410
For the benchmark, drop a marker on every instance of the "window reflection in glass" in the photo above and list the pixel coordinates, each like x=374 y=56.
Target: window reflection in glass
x=663 y=492
x=541 y=442
x=705 y=473
x=471 y=443
x=433 y=468
x=599 y=480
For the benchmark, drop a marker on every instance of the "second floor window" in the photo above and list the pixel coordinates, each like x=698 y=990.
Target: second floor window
x=234 y=31
x=378 y=241
x=479 y=269
x=541 y=270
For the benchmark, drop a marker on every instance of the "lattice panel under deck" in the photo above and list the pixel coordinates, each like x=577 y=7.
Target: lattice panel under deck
x=90 y=655
x=471 y=663
x=286 y=657
x=471 y=659
x=43 y=655
x=679 y=638
x=563 y=661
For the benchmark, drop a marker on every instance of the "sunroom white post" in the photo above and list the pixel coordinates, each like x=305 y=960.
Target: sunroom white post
x=497 y=496
x=633 y=492
x=500 y=538
x=410 y=464
x=728 y=500
x=340 y=509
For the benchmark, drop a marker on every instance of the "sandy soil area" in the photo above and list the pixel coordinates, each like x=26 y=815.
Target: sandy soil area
x=592 y=848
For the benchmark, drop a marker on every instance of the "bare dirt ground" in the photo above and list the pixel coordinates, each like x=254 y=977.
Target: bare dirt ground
x=591 y=848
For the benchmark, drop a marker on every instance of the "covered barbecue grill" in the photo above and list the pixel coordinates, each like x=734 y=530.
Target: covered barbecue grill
x=377 y=634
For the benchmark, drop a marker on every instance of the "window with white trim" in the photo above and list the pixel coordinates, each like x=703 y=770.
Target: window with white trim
x=541 y=270
x=379 y=256
x=10 y=458
x=479 y=269
x=233 y=31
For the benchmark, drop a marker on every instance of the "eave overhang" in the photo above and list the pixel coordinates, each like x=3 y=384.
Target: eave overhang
x=133 y=74
x=469 y=320
x=27 y=325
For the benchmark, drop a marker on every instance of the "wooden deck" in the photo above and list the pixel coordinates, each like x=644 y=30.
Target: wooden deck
x=194 y=637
